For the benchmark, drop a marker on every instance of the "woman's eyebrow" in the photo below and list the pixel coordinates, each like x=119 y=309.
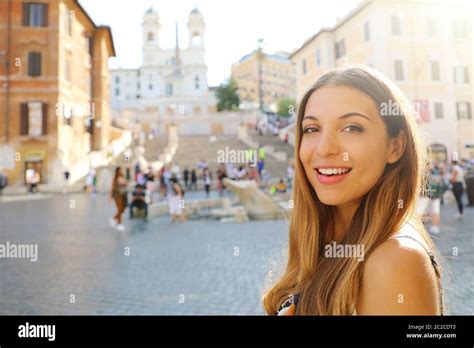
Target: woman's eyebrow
x=310 y=117
x=349 y=114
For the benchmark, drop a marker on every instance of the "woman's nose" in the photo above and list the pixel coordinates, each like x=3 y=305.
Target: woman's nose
x=328 y=144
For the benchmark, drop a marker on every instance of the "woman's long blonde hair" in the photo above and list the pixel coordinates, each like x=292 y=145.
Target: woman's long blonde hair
x=329 y=286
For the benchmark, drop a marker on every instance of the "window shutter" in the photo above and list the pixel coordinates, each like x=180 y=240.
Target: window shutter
x=45 y=15
x=468 y=106
x=30 y=64
x=23 y=119
x=44 y=122
x=34 y=64
x=395 y=21
x=38 y=64
x=458 y=109
x=26 y=14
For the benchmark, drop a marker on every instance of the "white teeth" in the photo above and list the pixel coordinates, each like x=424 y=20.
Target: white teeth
x=333 y=171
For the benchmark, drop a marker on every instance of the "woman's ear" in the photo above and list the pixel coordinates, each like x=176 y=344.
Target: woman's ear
x=396 y=147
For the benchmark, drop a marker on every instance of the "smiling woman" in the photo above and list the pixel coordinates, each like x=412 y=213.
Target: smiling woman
x=357 y=178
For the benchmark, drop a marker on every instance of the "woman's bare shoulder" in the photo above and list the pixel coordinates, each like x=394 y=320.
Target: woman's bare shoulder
x=396 y=254
x=398 y=278
x=405 y=242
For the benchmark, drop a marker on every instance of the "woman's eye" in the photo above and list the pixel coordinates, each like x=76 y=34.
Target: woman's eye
x=353 y=129
x=310 y=130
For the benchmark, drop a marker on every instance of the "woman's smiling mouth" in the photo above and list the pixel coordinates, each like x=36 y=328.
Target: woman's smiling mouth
x=329 y=175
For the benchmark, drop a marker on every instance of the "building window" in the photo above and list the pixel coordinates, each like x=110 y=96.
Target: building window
x=438 y=110
x=33 y=119
x=117 y=92
x=67 y=113
x=398 y=64
x=435 y=76
x=340 y=49
x=460 y=29
x=88 y=84
x=117 y=79
x=303 y=67
x=68 y=16
x=34 y=64
x=461 y=74
x=150 y=86
x=431 y=27
x=138 y=85
x=463 y=110
x=318 y=57
x=67 y=70
x=68 y=121
x=150 y=38
x=395 y=24
x=35 y=15
x=196 y=39
x=366 y=31
x=169 y=89
x=90 y=43
x=196 y=82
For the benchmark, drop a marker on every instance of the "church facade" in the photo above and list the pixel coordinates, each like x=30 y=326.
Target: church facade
x=170 y=81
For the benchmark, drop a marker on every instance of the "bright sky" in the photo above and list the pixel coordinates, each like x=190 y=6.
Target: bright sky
x=232 y=26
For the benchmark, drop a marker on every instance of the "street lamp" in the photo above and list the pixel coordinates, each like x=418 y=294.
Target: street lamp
x=6 y=55
x=260 y=56
x=5 y=86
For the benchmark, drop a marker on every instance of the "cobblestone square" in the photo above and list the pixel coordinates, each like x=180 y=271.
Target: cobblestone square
x=158 y=267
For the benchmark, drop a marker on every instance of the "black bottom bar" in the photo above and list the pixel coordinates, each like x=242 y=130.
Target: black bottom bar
x=139 y=330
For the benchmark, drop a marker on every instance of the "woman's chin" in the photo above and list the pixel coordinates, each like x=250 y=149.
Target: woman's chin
x=332 y=198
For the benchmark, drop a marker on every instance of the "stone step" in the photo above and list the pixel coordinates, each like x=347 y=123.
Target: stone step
x=192 y=149
x=274 y=167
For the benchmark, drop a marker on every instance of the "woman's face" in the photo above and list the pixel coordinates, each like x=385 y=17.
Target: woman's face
x=344 y=146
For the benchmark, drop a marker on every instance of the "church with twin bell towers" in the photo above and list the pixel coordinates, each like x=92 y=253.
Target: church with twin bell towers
x=170 y=81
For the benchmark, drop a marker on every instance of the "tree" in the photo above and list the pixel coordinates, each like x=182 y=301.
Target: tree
x=227 y=96
x=286 y=107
